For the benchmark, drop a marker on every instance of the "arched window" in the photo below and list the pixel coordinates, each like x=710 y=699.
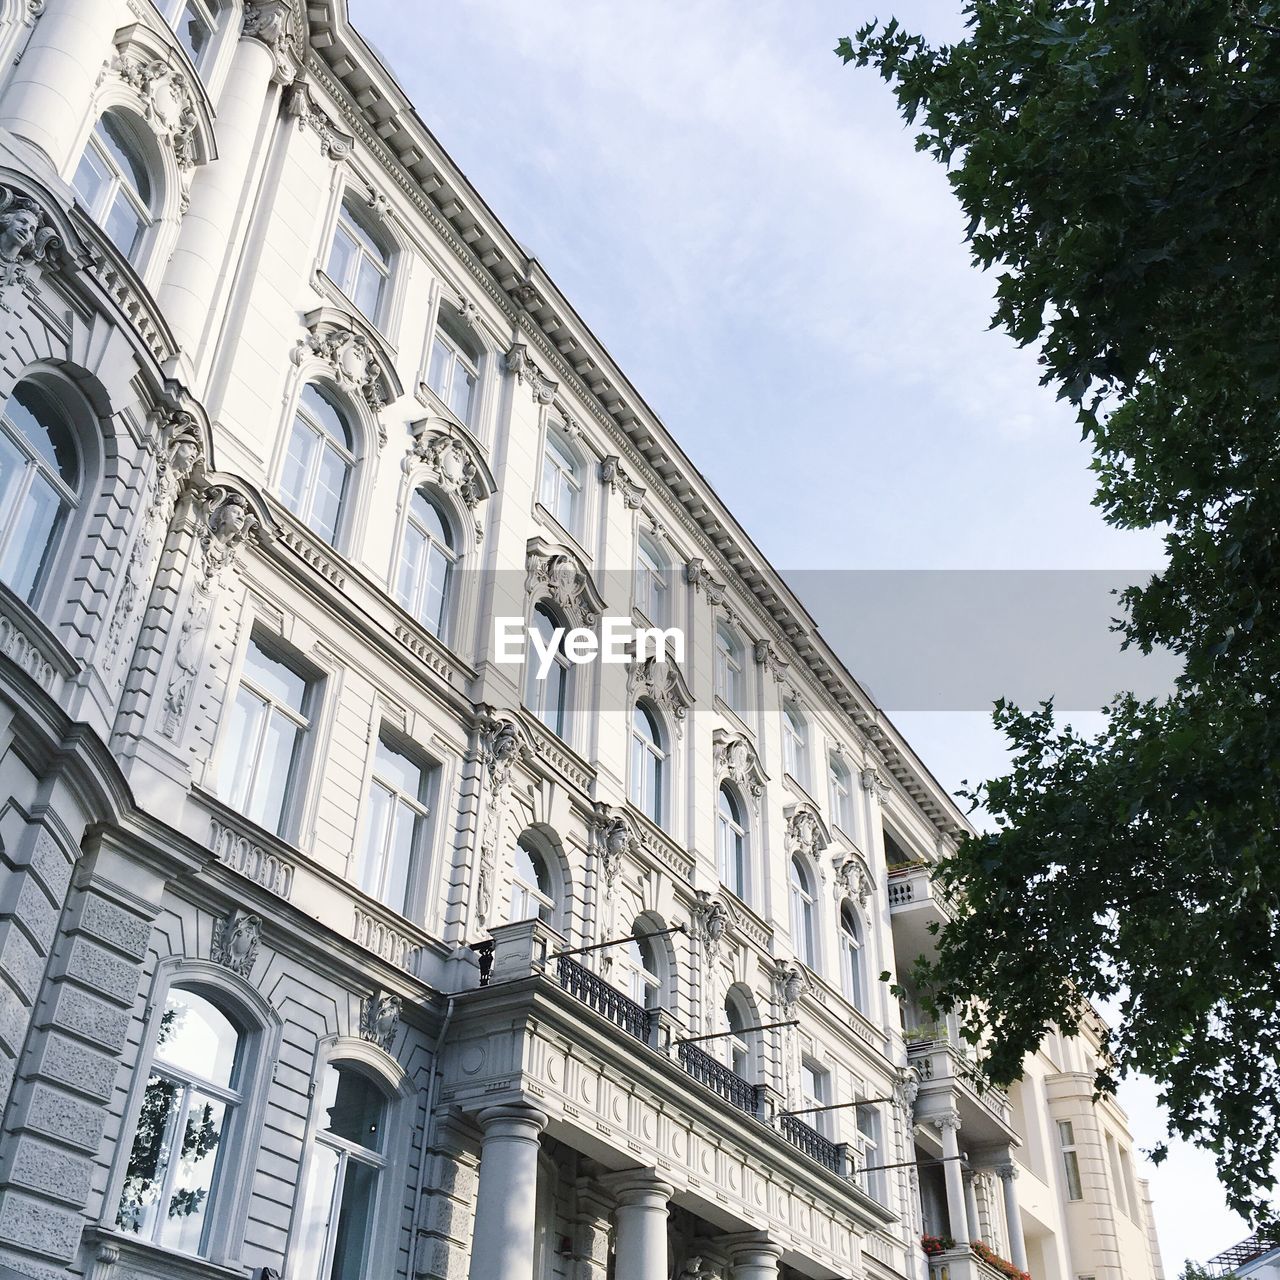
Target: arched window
x=113 y=181
x=453 y=372
x=731 y=842
x=547 y=693
x=795 y=746
x=840 y=793
x=648 y=764
x=532 y=892
x=189 y=1107
x=318 y=466
x=561 y=489
x=851 y=957
x=358 y=264
x=39 y=486
x=195 y=23
x=738 y=1019
x=333 y=1237
x=802 y=913
x=640 y=965
x=427 y=561
x=652 y=595
x=729 y=666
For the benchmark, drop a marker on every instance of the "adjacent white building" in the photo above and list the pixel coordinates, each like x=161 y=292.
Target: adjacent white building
x=331 y=946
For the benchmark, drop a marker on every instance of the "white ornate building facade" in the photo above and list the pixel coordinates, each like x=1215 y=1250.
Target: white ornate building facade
x=331 y=947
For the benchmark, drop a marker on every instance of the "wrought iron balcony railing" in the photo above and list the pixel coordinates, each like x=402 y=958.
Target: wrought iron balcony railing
x=813 y=1144
x=715 y=1075
x=603 y=997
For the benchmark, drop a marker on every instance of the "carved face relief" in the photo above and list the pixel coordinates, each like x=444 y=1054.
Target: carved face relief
x=228 y=520
x=17 y=230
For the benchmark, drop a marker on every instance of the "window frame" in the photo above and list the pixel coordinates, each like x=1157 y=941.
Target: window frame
x=740 y=1052
x=730 y=668
x=802 y=898
x=820 y=1096
x=457 y=356
x=733 y=826
x=648 y=750
x=449 y=552
x=1069 y=1150
x=534 y=692
x=209 y=11
x=840 y=793
x=422 y=807
x=322 y=439
x=652 y=586
x=545 y=900
x=261 y=1030
x=852 y=967
x=117 y=183
x=572 y=479
x=70 y=499
x=298 y=781
x=368 y=246
x=795 y=743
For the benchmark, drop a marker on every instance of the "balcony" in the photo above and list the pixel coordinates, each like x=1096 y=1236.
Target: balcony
x=915 y=903
x=736 y=1091
x=603 y=997
x=962 y=1264
x=946 y=1069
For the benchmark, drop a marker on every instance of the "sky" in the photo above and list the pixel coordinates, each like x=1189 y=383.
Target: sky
x=747 y=227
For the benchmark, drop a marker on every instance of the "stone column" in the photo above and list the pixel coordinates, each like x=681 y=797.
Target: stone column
x=971 y=1205
x=949 y=1127
x=445 y=1229
x=640 y=1224
x=753 y=1257
x=50 y=88
x=191 y=279
x=507 y=1199
x=1013 y=1219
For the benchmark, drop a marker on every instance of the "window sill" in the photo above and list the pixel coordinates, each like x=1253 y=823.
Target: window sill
x=734 y=718
x=145 y=1259
x=544 y=517
x=326 y=287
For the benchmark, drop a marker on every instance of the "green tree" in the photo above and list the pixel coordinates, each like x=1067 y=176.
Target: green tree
x=1117 y=163
x=1194 y=1271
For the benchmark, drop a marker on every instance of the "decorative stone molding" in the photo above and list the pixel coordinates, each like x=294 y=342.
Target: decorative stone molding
x=699 y=577
x=380 y=1018
x=947 y=1120
x=168 y=103
x=518 y=361
x=806 y=833
x=355 y=361
x=526 y=294
x=558 y=575
x=181 y=448
x=792 y=984
x=301 y=105
x=711 y=923
x=247 y=858
x=874 y=782
x=454 y=464
x=502 y=746
x=270 y=22
x=468 y=313
x=22 y=648
x=235 y=942
x=384 y=940
x=612 y=474
x=226 y=523
x=907 y=1090
x=767 y=657
x=27 y=239
x=664 y=685
x=853 y=879
x=186 y=664
x=733 y=757
x=614 y=838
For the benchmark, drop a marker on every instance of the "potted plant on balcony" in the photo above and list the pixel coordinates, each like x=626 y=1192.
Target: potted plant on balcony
x=934 y=1245
x=996 y=1262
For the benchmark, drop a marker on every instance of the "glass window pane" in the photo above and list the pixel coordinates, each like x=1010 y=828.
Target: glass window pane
x=122 y=150
x=438 y=370
x=240 y=751
x=43 y=426
x=367 y=292
x=355 y=1218
x=435 y=591
x=31 y=538
x=270 y=787
x=360 y=235
x=326 y=503
x=427 y=516
x=377 y=830
x=397 y=769
x=326 y=415
x=353 y=1107
x=193 y=1182
x=404 y=835
x=461 y=391
x=193 y=32
x=414 y=549
x=91 y=177
x=197 y=1038
x=297 y=466
x=149 y=1157
x=279 y=682
x=342 y=256
x=306 y=1253
x=123 y=225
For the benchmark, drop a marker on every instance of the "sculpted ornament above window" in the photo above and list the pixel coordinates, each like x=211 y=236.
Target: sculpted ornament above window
x=806 y=834
x=379 y=1018
x=235 y=942
x=559 y=576
x=455 y=466
x=27 y=239
x=735 y=758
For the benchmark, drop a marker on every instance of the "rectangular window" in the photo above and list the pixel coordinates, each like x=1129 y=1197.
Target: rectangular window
x=815 y=1089
x=395 y=826
x=452 y=377
x=265 y=739
x=874 y=1182
x=1070 y=1160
